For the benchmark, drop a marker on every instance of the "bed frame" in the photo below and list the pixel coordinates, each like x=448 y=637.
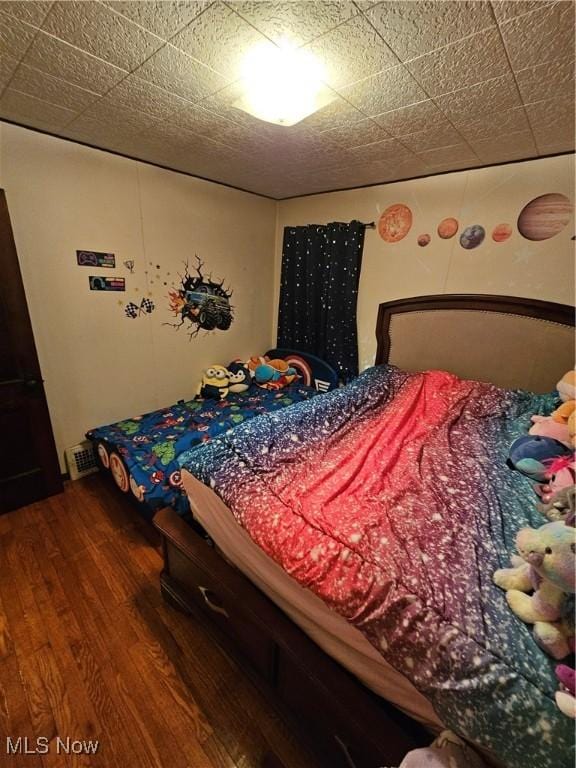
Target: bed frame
x=509 y=341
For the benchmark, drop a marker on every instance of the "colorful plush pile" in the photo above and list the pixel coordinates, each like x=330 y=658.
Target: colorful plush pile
x=150 y=444
x=392 y=501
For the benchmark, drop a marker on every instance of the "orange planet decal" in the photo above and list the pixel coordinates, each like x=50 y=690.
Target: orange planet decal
x=394 y=224
x=447 y=228
x=545 y=216
x=423 y=240
x=501 y=232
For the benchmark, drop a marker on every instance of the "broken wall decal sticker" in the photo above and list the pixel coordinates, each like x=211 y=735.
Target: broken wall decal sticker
x=200 y=303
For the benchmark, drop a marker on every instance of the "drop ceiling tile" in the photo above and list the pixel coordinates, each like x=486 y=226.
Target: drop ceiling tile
x=96 y=29
x=334 y=115
x=339 y=50
x=475 y=101
x=29 y=11
x=206 y=123
x=505 y=147
x=297 y=21
x=365 y=131
x=441 y=135
x=466 y=62
x=15 y=37
x=552 y=121
x=386 y=151
x=162 y=18
x=543 y=81
x=383 y=92
x=8 y=66
x=59 y=59
x=543 y=35
x=559 y=144
x=106 y=114
x=415 y=117
x=220 y=39
x=414 y=27
x=449 y=157
x=31 y=111
x=508 y=9
x=176 y=72
x=47 y=88
x=495 y=124
x=137 y=94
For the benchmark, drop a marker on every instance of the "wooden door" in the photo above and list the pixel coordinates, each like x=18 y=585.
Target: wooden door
x=29 y=468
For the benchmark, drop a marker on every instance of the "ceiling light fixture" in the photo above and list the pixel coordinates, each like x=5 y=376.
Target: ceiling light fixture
x=282 y=84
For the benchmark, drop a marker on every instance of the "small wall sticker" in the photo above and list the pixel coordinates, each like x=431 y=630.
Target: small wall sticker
x=95 y=259
x=98 y=283
x=133 y=311
x=129 y=264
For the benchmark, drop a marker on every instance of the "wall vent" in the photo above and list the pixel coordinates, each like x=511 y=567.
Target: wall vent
x=81 y=460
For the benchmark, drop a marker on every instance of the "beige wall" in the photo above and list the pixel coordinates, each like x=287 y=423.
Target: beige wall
x=489 y=196
x=98 y=365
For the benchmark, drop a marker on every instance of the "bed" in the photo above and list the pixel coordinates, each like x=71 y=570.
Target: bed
x=421 y=625
x=141 y=453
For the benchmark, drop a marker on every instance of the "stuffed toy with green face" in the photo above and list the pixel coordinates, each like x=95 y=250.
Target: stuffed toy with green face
x=546 y=567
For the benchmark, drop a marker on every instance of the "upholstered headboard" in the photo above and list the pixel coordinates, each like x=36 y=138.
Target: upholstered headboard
x=509 y=341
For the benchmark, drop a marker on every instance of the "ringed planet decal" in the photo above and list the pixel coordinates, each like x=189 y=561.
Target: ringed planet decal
x=395 y=223
x=544 y=216
x=447 y=228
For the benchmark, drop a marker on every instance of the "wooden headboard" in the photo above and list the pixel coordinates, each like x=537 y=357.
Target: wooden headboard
x=507 y=340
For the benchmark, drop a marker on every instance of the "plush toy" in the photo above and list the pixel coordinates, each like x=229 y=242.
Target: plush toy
x=561 y=505
x=567 y=387
x=214 y=384
x=560 y=473
x=565 y=697
x=564 y=411
x=547 y=567
x=239 y=376
x=548 y=426
x=271 y=376
x=253 y=362
x=530 y=455
x=572 y=429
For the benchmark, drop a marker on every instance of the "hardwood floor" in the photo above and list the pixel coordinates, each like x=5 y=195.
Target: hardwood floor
x=89 y=650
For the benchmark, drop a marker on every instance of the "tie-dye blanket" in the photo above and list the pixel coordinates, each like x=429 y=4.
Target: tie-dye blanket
x=391 y=500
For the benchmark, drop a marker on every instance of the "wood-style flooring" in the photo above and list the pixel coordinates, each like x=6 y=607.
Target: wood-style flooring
x=89 y=650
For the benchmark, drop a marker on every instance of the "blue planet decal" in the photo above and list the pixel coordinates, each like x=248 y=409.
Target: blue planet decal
x=472 y=236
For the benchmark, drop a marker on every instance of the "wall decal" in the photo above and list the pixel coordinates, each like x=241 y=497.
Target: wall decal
x=395 y=222
x=129 y=264
x=501 y=232
x=448 y=228
x=200 y=303
x=133 y=310
x=472 y=236
x=423 y=240
x=107 y=283
x=545 y=216
x=95 y=259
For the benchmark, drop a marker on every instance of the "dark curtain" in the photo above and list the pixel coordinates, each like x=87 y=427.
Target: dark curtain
x=319 y=290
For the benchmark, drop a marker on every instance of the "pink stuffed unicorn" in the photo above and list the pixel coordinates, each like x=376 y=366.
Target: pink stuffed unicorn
x=560 y=473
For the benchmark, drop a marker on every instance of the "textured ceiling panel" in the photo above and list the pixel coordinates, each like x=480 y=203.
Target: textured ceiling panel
x=418 y=86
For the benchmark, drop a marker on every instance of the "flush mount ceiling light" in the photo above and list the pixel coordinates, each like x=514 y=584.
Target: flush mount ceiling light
x=282 y=84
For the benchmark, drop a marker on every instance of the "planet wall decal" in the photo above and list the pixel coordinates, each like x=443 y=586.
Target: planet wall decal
x=447 y=228
x=545 y=216
x=423 y=240
x=395 y=222
x=472 y=236
x=501 y=232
